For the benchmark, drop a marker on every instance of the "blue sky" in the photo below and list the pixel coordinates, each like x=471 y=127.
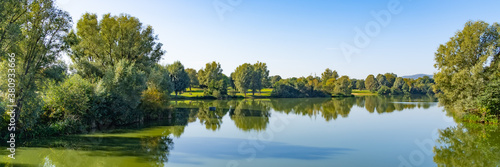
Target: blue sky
x=299 y=38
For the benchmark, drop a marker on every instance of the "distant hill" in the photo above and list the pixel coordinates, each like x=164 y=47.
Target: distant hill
x=417 y=76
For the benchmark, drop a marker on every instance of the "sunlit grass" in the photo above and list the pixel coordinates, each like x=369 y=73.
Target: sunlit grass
x=357 y=92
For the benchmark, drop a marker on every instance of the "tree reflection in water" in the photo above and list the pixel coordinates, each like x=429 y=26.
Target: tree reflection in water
x=152 y=146
x=251 y=115
x=467 y=145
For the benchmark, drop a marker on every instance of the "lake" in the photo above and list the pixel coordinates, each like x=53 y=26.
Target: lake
x=357 y=131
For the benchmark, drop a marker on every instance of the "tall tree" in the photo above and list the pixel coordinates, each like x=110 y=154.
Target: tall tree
x=399 y=83
x=371 y=83
x=325 y=76
x=212 y=79
x=342 y=86
x=360 y=84
x=31 y=32
x=382 y=80
x=391 y=78
x=243 y=77
x=261 y=77
x=193 y=77
x=467 y=63
x=100 y=44
x=179 y=77
x=353 y=83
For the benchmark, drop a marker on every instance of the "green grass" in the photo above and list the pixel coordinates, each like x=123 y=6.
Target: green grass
x=357 y=92
x=195 y=92
x=266 y=92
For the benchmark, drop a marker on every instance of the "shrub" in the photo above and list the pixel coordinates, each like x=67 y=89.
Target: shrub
x=490 y=98
x=396 y=91
x=384 y=90
x=71 y=97
x=119 y=94
x=154 y=102
x=68 y=104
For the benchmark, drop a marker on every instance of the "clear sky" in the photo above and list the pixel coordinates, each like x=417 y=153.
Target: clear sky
x=299 y=38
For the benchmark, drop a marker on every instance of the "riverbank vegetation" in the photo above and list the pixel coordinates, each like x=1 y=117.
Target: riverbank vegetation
x=469 y=72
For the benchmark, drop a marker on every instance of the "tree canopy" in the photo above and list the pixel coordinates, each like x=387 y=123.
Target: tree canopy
x=179 y=76
x=468 y=64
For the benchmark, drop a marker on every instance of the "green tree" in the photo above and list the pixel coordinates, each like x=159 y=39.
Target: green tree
x=243 y=76
x=360 y=84
x=353 y=84
x=371 y=83
x=179 y=77
x=261 y=77
x=467 y=63
x=69 y=101
x=275 y=79
x=398 y=83
x=330 y=85
x=119 y=93
x=193 y=78
x=33 y=31
x=391 y=78
x=384 y=90
x=155 y=99
x=99 y=44
x=342 y=86
x=231 y=81
x=264 y=72
x=212 y=79
x=382 y=80
x=325 y=76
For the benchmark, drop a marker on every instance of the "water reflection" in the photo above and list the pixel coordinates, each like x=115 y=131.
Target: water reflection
x=468 y=145
x=254 y=114
x=118 y=148
x=251 y=115
x=151 y=144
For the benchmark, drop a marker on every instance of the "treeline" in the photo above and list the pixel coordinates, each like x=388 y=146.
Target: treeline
x=330 y=84
x=390 y=83
x=254 y=114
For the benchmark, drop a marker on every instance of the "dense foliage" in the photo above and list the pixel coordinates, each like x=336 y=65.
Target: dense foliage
x=254 y=77
x=469 y=69
x=212 y=80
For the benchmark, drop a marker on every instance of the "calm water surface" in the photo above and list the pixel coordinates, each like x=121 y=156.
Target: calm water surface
x=361 y=131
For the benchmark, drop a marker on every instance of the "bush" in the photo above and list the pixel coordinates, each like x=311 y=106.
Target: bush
x=384 y=90
x=490 y=98
x=71 y=97
x=68 y=102
x=119 y=94
x=285 y=91
x=396 y=91
x=154 y=103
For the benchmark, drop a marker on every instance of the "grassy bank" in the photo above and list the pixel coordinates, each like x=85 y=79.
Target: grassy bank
x=357 y=92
